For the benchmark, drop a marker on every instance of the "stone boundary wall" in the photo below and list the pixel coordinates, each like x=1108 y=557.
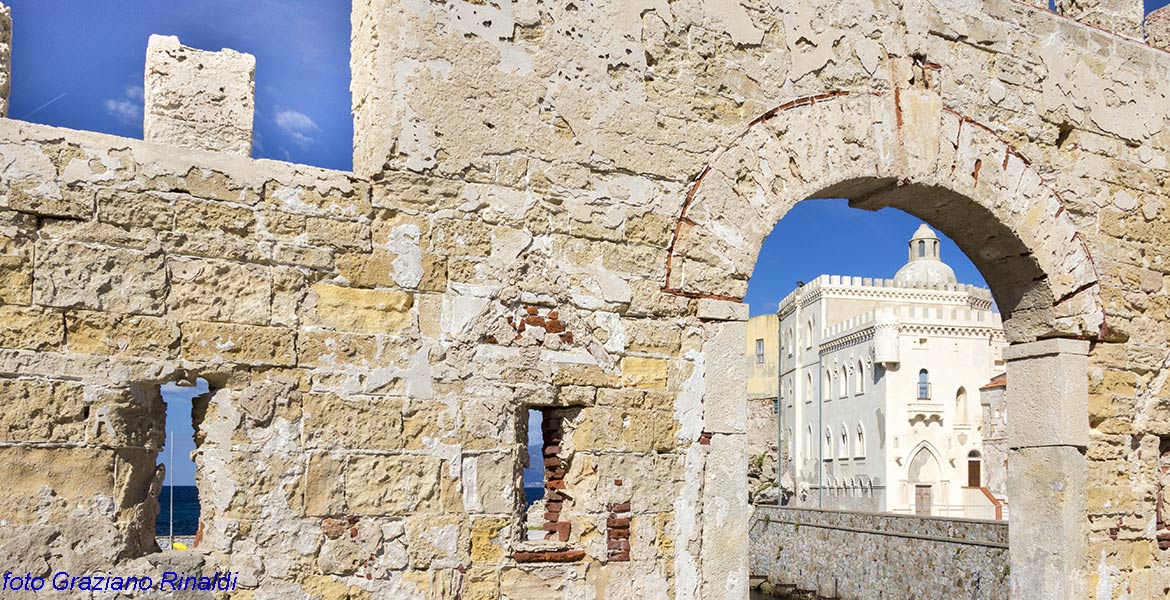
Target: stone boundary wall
x=840 y=554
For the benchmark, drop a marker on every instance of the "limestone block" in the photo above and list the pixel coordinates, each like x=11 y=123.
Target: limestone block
x=392 y=485
x=218 y=290
x=72 y=275
x=31 y=328
x=490 y=539
x=198 y=99
x=725 y=518
x=722 y=310
x=259 y=400
x=1158 y=28
x=5 y=58
x=350 y=202
x=109 y=333
x=245 y=344
x=338 y=234
x=330 y=422
x=1048 y=396
x=362 y=310
x=725 y=394
x=41 y=411
x=642 y=372
x=333 y=349
x=150 y=210
x=53 y=482
x=199 y=215
x=1047 y=537
x=324 y=493
x=490 y=482
x=1120 y=16
x=52 y=201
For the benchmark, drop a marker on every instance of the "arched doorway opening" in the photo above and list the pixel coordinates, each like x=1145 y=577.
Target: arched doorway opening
x=908 y=151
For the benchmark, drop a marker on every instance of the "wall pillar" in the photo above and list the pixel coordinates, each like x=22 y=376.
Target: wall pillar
x=198 y=99
x=726 y=511
x=5 y=58
x=1047 y=432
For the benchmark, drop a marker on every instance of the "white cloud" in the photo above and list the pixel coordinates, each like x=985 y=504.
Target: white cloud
x=297 y=125
x=134 y=92
x=124 y=110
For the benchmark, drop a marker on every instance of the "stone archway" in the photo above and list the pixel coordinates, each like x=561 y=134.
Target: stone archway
x=906 y=150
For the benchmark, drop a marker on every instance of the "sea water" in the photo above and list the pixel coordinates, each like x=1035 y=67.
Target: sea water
x=186 y=511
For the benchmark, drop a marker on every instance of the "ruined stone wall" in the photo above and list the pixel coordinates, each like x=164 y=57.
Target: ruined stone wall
x=851 y=555
x=1038 y=143
x=558 y=206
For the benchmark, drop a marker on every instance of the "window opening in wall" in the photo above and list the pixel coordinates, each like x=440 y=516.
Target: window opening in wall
x=827 y=392
x=844 y=382
x=860 y=450
x=860 y=378
x=843 y=451
x=759 y=352
x=533 y=477
x=923 y=385
x=961 y=409
x=549 y=504
x=179 y=521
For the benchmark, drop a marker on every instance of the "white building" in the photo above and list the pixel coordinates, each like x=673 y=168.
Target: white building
x=879 y=389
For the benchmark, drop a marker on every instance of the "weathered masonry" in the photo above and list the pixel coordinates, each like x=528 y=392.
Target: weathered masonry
x=837 y=554
x=557 y=206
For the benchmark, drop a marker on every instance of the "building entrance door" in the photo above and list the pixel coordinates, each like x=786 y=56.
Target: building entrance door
x=922 y=500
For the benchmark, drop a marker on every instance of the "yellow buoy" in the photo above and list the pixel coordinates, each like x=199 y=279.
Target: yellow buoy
x=179 y=546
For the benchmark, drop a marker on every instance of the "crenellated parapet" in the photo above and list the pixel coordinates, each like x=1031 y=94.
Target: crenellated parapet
x=877 y=288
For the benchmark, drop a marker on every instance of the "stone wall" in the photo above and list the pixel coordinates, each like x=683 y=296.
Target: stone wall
x=867 y=555
x=558 y=206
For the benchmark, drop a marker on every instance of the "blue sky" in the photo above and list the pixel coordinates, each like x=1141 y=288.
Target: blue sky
x=79 y=64
x=827 y=237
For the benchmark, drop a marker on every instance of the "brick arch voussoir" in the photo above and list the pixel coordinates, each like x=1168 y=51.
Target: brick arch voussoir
x=905 y=150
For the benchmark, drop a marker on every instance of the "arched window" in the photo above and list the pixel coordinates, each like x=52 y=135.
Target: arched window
x=827 y=391
x=859 y=450
x=844 y=389
x=808 y=387
x=974 y=469
x=921 y=248
x=962 y=417
x=843 y=450
x=923 y=385
x=808 y=443
x=860 y=387
x=808 y=337
x=828 y=444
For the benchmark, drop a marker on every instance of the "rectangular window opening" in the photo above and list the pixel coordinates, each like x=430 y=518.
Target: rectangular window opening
x=179 y=523
x=546 y=518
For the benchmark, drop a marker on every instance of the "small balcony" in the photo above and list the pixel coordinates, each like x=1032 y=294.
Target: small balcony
x=919 y=410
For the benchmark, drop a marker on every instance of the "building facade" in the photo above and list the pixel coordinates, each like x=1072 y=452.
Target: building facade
x=879 y=390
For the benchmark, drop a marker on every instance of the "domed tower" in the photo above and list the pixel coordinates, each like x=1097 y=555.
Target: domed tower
x=924 y=269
